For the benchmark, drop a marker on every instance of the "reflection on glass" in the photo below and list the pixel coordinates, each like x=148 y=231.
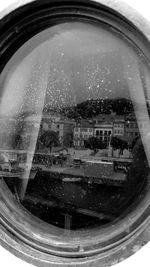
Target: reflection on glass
x=74 y=116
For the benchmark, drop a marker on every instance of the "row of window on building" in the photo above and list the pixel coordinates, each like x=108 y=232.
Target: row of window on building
x=118 y=126
x=103 y=127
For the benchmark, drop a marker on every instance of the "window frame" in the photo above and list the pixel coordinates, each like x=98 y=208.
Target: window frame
x=27 y=243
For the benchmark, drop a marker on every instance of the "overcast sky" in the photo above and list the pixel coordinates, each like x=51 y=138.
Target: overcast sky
x=67 y=64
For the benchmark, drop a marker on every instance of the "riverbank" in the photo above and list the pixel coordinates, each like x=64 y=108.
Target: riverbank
x=117 y=179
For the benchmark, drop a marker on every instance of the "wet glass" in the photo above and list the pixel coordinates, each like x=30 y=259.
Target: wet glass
x=74 y=125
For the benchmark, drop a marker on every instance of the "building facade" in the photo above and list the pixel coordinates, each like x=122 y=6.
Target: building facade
x=82 y=132
x=119 y=126
x=131 y=128
x=103 y=128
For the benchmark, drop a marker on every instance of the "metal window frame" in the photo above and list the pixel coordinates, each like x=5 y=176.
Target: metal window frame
x=50 y=247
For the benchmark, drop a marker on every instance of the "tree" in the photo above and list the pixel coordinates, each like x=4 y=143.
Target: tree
x=49 y=139
x=117 y=143
x=68 y=140
x=94 y=143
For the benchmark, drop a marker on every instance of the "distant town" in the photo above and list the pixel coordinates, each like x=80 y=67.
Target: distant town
x=59 y=140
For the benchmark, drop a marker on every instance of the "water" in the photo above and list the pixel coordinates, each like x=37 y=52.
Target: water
x=73 y=205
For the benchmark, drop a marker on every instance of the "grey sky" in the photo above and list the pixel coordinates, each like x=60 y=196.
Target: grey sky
x=76 y=61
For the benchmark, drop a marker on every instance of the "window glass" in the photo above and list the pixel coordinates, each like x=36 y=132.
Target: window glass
x=75 y=73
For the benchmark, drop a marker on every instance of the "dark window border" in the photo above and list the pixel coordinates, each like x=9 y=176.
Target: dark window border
x=19 y=232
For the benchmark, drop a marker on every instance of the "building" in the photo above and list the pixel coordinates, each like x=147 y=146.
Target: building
x=82 y=132
x=68 y=131
x=119 y=126
x=7 y=130
x=52 y=122
x=59 y=124
x=131 y=128
x=143 y=123
x=103 y=128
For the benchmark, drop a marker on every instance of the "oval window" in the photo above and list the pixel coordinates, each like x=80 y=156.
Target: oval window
x=74 y=131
